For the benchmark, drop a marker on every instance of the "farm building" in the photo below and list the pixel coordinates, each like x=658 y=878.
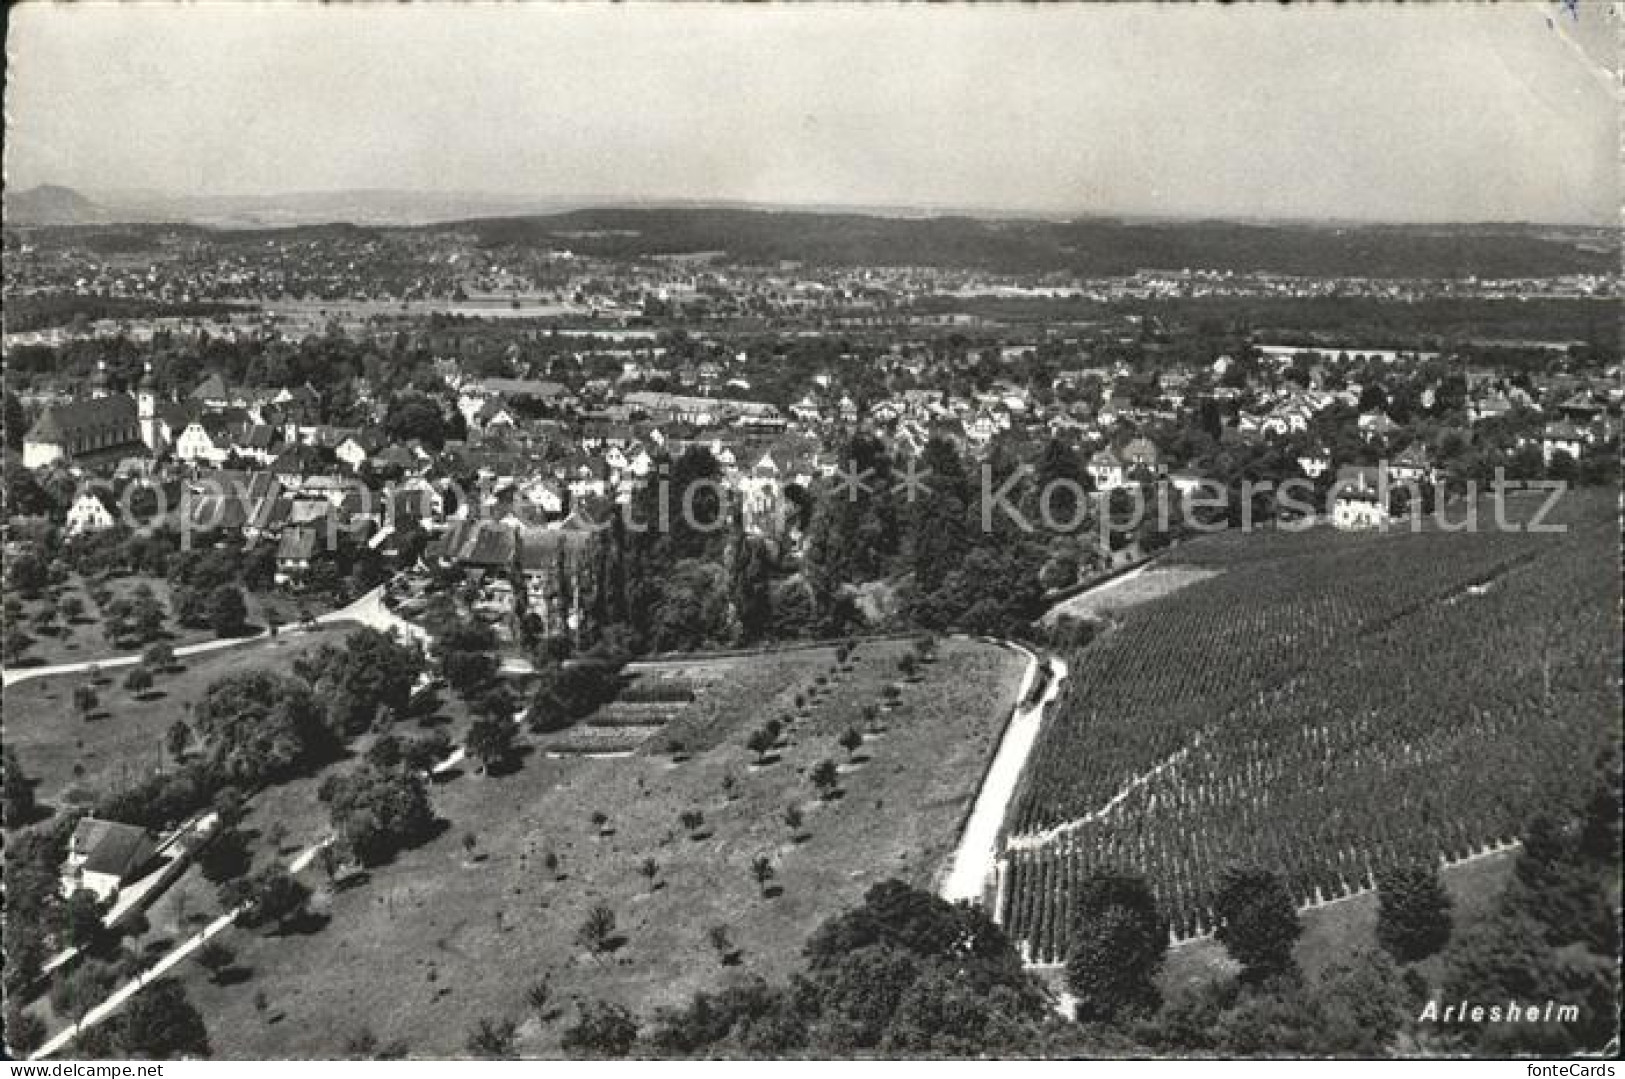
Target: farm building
x=104 y=855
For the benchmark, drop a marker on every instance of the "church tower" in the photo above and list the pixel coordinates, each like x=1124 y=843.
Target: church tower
x=146 y=407
x=98 y=381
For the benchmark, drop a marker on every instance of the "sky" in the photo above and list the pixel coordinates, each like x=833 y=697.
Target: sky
x=1437 y=113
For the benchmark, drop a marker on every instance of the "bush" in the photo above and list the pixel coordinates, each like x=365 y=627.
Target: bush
x=602 y=1029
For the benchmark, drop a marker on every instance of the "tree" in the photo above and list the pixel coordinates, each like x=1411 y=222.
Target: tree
x=161 y=1023
x=492 y=1039
x=215 y=958
x=826 y=777
x=228 y=614
x=1363 y=1003
x=1413 y=917
x=158 y=656
x=597 y=929
x=539 y=995
x=271 y=896
x=377 y=812
x=178 y=739
x=721 y=941
x=415 y=416
x=85 y=700
x=762 y=871
x=258 y=723
x=793 y=819
x=138 y=681
x=601 y=1029
x=760 y=743
x=82 y=918
x=692 y=821
x=650 y=869
x=17 y=790
x=490 y=741
x=1119 y=938
x=25 y=1031
x=851 y=739
x=1258 y=922
x=227 y=856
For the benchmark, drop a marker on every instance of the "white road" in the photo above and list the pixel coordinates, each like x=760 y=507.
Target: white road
x=972 y=867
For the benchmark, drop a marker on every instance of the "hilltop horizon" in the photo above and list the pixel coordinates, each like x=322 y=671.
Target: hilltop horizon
x=59 y=204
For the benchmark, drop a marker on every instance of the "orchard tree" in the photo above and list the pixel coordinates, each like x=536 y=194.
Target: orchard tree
x=762 y=871
x=597 y=930
x=215 y=958
x=160 y=1023
x=760 y=743
x=138 y=681
x=826 y=777
x=490 y=741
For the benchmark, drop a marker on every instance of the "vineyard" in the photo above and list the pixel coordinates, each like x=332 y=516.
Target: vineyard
x=1327 y=706
x=641 y=710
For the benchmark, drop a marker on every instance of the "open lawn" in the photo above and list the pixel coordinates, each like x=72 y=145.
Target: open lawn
x=455 y=931
x=74 y=756
x=84 y=638
x=1129 y=590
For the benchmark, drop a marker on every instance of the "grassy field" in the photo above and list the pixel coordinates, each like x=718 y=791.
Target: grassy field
x=1128 y=591
x=449 y=934
x=75 y=757
x=83 y=639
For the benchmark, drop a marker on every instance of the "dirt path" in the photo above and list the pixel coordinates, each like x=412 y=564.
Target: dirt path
x=978 y=850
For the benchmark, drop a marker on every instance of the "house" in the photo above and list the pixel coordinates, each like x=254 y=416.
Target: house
x=81 y=432
x=1562 y=437
x=1314 y=463
x=1580 y=409
x=295 y=552
x=212 y=393
x=257 y=442
x=1360 y=501
x=1142 y=460
x=209 y=437
x=103 y=856
x=552 y=567
x=92 y=511
x=543 y=493
x=1374 y=425
x=1415 y=465
x=1106 y=469
x=1490 y=407
x=356 y=449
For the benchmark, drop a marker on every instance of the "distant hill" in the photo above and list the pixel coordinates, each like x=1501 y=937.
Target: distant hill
x=1086 y=246
x=1081 y=246
x=50 y=204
